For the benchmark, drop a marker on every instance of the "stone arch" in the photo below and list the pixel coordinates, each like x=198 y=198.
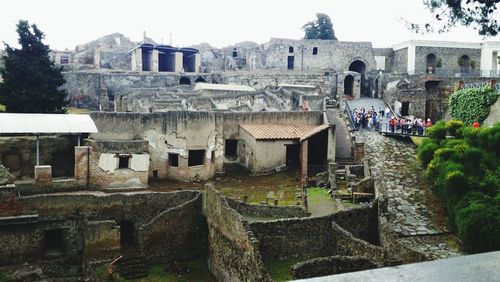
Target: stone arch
x=200 y=79
x=349 y=85
x=464 y=63
x=359 y=66
x=430 y=63
x=184 y=80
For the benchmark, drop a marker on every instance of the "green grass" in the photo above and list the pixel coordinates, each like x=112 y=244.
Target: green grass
x=72 y=110
x=281 y=270
x=4 y=277
x=417 y=140
x=198 y=272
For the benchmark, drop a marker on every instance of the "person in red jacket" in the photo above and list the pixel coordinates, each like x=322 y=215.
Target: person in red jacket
x=476 y=124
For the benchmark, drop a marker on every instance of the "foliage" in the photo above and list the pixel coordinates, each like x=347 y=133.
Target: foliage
x=466 y=173
x=437 y=131
x=482 y=15
x=439 y=63
x=2 y=108
x=454 y=126
x=321 y=28
x=472 y=104
x=281 y=270
x=426 y=151
x=31 y=81
x=478 y=222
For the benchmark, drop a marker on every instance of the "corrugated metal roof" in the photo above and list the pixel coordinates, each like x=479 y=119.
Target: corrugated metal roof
x=282 y=131
x=46 y=123
x=225 y=87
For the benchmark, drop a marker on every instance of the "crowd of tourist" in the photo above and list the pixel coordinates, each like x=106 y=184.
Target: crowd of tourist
x=373 y=119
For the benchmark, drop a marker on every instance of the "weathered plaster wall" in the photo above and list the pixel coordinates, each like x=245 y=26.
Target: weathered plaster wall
x=401 y=61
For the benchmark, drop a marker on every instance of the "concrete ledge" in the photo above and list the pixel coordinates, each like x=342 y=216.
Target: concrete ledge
x=480 y=267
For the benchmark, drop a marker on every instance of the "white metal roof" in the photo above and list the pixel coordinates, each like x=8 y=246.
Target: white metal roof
x=224 y=87
x=46 y=123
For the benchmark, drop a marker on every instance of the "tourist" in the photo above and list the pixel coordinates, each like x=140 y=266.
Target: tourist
x=428 y=123
x=387 y=112
x=476 y=124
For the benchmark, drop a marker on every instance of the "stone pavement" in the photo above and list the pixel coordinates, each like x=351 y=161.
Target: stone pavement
x=414 y=212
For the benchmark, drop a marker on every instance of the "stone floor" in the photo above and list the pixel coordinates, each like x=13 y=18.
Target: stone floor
x=413 y=211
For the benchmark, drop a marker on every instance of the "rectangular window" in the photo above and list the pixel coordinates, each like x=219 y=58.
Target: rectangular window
x=231 y=148
x=290 y=49
x=64 y=60
x=196 y=157
x=212 y=157
x=124 y=160
x=173 y=160
x=315 y=50
x=53 y=242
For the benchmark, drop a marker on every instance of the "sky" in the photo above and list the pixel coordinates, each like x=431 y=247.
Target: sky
x=67 y=23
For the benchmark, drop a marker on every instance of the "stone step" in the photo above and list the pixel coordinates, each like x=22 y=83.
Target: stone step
x=133 y=268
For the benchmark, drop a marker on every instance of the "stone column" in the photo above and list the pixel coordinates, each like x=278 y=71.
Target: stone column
x=303 y=161
x=197 y=62
x=137 y=60
x=359 y=152
x=82 y=164
x=178 y=61
x=332 y=175
x=97 y=57
x=154 y=60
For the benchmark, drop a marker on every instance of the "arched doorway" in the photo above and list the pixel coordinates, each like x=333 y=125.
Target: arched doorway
x=360 y=67
x=430 y=63
x=376 y=89
x=184 y=81
x=348 y=85
x=200 y=79
x=464 y=63
x=127 y=234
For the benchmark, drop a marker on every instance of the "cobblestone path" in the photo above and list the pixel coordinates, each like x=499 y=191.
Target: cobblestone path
x=414 y=212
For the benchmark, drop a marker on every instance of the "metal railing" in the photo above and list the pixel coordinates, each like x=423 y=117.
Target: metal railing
x=351 y=118
x=405 y=130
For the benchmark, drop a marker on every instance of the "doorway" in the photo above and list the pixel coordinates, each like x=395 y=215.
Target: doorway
x=405 y=108
x=291 y=60
x=293 y=155
x=127 y=234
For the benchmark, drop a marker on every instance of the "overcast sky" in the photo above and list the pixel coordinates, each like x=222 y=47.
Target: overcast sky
x=218 y=22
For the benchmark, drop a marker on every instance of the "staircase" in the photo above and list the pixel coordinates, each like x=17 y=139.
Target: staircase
x=133 y=267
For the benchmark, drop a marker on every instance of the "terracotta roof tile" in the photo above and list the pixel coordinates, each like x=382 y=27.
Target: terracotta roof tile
x=282 y=131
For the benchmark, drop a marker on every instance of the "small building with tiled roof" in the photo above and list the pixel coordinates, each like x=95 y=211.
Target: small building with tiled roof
x=302 y=146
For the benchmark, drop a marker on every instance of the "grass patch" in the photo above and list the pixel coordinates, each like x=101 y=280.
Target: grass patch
x=198 y=271
x=281 y=270
x=4 y=277
x=72 y=110
x=417 y=140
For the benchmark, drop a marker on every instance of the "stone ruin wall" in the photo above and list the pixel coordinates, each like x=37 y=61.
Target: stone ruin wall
x=170 y=227
x=233 y=250
x=18 y=154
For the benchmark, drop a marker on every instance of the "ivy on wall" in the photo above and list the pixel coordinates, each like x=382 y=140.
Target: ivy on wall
x=469 y=105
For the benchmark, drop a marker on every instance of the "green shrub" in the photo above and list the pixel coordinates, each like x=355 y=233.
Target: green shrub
x=477 y=218
x=473 y=104
x=437 y=131
x=453 y=127
x=426 y=151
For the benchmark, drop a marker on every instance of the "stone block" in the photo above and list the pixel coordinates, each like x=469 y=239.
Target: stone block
x=43 y=174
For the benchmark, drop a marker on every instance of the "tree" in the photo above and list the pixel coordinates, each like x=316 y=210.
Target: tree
x=321 y=28
x=31 y=81
x=480 y=14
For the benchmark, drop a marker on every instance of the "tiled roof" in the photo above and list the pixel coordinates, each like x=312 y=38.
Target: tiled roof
x=282 y=131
